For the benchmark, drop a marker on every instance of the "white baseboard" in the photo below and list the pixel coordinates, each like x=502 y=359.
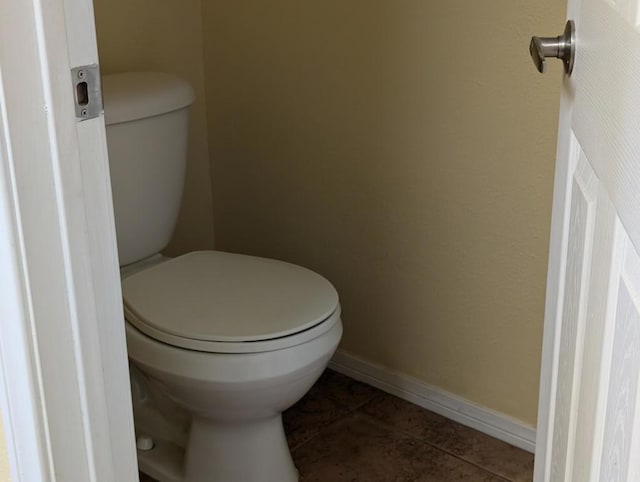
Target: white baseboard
x=485 y=420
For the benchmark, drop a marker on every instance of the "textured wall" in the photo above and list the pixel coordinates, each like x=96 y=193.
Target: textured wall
x=404 y=149
x=166 y=36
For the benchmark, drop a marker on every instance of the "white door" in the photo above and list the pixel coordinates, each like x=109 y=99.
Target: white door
x=64 y=383
x=589 y=415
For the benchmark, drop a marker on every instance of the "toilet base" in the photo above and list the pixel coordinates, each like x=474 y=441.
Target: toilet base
x=233 y=404
x=248 y=451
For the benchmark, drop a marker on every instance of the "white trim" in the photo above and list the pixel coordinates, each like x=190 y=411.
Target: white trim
x=458 y=409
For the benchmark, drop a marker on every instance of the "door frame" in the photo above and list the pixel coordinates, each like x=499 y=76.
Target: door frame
x=64 y=380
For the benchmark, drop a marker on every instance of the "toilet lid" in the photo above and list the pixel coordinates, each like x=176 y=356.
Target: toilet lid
x=224 y=297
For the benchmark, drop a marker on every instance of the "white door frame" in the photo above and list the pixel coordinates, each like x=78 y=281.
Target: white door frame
x=64 y=382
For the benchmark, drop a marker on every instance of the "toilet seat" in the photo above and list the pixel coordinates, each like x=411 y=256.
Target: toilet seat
x=229 y=303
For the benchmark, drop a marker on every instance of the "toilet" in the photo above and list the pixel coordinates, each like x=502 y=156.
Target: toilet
x=219 y=344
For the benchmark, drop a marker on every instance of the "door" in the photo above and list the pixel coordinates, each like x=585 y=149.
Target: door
x=64 y=381
x=589 y=412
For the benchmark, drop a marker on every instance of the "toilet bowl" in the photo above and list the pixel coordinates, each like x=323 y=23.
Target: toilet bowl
x=221 y=343
x=236 y=428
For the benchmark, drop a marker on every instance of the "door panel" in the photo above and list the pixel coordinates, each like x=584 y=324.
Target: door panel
x=622 y=396
x=579 y=259
x=597 y=340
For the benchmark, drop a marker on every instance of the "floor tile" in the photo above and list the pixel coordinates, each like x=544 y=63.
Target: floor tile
x=358 y=449
x=480 y=449
x=332 y=397
x=344 y=390
x=308 y=417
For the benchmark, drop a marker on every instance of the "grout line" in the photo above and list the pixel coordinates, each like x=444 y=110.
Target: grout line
x=296 y=447
x=379 y=393
x=320 y=431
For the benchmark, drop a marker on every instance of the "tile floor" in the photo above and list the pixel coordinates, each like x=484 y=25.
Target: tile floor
x=346 y=431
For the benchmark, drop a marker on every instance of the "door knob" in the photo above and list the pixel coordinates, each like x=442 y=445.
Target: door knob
x=562 y=47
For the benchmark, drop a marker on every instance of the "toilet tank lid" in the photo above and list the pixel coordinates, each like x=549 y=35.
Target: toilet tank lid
x=131 y=96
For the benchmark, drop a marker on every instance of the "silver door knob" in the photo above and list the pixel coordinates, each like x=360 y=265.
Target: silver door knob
x=562 y=47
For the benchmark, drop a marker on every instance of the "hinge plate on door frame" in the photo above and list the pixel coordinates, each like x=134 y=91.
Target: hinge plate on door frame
x=87 y=91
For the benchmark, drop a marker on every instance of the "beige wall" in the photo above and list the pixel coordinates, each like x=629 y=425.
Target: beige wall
x=166 y=35
x=5 y=475
x=404 y=149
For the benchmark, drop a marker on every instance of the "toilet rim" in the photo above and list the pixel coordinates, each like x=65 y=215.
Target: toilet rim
x=234 y=347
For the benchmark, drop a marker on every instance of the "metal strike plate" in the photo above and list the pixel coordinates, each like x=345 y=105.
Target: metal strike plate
x=87 y=91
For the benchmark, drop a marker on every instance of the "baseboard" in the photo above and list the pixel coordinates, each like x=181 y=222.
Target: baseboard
x=492 y=423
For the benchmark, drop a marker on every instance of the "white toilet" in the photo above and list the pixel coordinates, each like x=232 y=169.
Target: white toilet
x=220 y=344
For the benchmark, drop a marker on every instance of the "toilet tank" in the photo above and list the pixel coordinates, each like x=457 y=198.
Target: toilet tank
x=146 y=117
